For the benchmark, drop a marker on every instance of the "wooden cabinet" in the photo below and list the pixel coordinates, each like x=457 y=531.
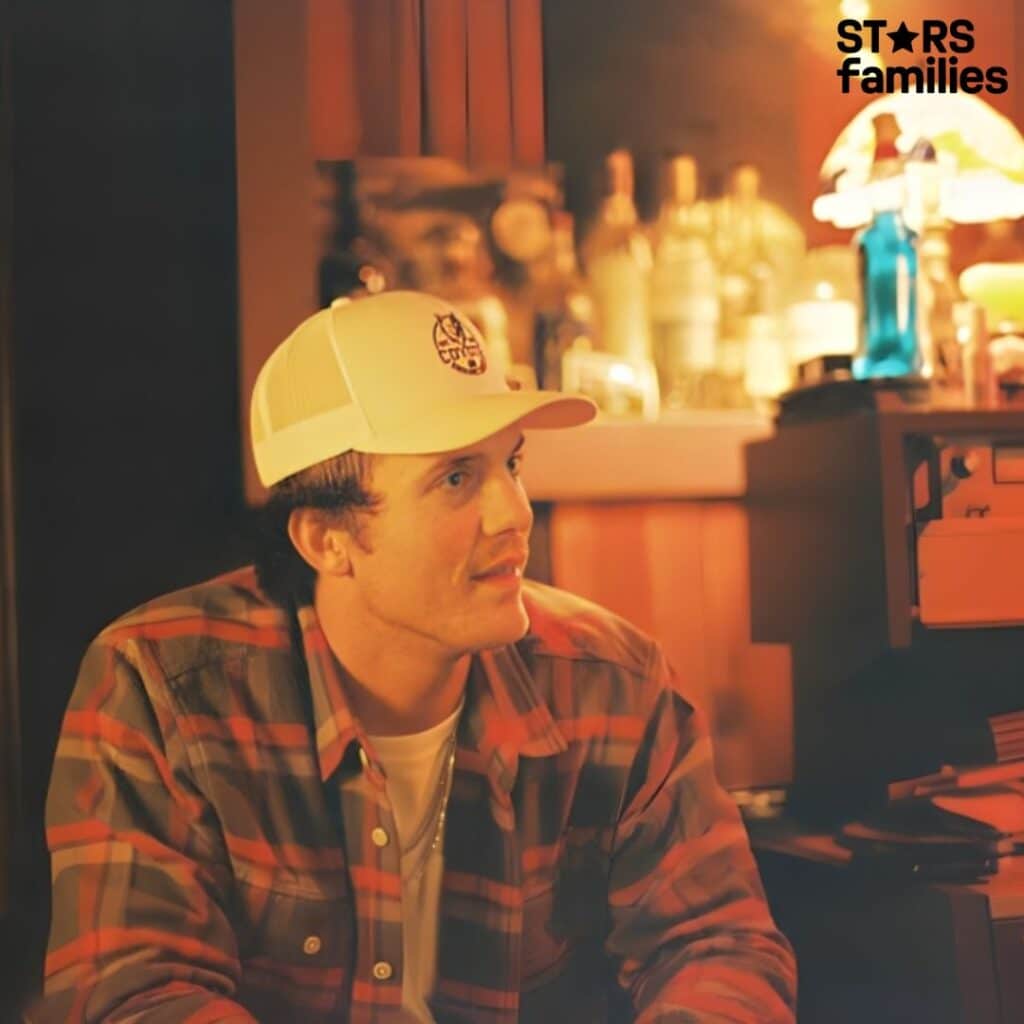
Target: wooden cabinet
x=1008 y=944
x=899 y=952
x=679 y=570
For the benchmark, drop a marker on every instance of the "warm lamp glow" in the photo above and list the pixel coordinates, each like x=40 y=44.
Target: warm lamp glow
x=622 y=373
x=857 y=9
x=978 y=173
x=998 y=288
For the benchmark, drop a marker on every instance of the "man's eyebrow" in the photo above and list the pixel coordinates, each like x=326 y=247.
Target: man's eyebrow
x=452 y=461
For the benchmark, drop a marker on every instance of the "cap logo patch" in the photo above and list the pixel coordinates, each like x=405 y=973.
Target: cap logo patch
x=456 y=346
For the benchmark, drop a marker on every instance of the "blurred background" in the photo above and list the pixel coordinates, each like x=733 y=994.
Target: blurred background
x=622 y=195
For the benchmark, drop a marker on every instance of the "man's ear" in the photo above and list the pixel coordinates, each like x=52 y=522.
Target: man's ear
x=322 y=544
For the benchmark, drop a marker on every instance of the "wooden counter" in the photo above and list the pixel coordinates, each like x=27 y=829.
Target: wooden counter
x=684 y=455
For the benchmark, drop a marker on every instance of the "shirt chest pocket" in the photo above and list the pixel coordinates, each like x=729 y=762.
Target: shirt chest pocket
x=296 y=949
x=573 y=904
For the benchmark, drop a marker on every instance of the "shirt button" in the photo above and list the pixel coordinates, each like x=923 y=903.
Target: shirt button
x=312 y=945
x=382 y=970
x=363 y=759
x=379 y=837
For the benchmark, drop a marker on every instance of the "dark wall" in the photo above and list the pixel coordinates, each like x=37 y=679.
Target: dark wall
x=125 y=333
x=716 y=78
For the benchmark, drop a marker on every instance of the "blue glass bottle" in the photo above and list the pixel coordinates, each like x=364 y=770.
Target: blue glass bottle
x=888 y=274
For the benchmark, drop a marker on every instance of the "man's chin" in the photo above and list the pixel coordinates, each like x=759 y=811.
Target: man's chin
x=510 y=629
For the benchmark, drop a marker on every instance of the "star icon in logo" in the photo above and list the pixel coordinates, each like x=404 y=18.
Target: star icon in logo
x=902 y=38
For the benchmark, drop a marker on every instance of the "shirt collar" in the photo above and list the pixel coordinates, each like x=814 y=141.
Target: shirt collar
x=336 y=726
x=504 y=716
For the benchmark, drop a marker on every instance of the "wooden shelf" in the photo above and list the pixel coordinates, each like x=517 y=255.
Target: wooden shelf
x=683 y=455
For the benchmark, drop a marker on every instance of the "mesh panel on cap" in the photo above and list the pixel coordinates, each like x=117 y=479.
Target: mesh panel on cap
x=302 y=380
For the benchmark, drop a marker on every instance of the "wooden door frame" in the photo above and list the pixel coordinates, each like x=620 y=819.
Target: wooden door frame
x=9 y=705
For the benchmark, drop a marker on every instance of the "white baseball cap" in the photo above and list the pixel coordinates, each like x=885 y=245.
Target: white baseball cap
x=396 y=373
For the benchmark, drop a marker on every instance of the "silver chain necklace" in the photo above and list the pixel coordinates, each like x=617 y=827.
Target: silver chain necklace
x=436 y=812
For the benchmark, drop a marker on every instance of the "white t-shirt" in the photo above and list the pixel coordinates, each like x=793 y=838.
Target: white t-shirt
x=413 y=767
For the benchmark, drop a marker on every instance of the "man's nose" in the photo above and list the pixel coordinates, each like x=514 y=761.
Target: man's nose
x=506 y=506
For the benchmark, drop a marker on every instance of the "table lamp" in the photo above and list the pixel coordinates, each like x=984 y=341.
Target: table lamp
x=976 y=175
x=955 y=159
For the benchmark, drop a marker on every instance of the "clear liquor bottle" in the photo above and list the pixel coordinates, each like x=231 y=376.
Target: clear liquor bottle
x=939 y=295
x=937 y=290
x=617 y=261
x=564 y=311
x=758 y=249
x=684 y=290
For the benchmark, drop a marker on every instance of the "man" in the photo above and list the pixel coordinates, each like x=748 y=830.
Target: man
x=385 y=778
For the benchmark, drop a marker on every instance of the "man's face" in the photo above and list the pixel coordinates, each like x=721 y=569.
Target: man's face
x=442 y=558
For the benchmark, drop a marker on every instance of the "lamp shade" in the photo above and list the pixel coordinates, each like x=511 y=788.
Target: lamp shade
x=978 y=168
x=998 y=288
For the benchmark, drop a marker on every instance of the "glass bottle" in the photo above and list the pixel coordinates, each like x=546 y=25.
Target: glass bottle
x=938 y=291
x=564 y=313
x=1006 y=361
x=766 y=369
x=617 y=259
x=888 y=269
x=684 y=290
x=972 y=338
x=941 y=356
x=758 y=250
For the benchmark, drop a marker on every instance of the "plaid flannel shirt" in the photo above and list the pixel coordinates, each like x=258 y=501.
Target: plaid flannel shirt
x=210 y=817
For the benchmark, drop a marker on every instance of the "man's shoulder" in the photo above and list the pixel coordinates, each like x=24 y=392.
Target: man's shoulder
x=203 y=622
x=565 y=625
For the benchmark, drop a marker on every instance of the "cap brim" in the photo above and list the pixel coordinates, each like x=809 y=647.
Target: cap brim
x=469 y=420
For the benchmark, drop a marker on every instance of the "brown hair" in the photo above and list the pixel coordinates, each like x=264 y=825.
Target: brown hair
x=340 y=488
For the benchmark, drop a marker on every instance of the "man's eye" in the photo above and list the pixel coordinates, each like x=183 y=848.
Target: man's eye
x=456 y=479
x=515 y=464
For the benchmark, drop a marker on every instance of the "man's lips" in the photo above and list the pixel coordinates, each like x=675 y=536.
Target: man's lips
x=507 y=569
